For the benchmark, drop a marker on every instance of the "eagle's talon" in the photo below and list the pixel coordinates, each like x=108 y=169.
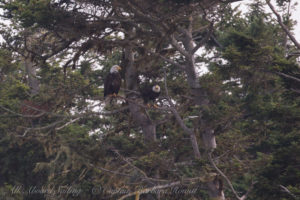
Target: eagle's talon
x=149 y=93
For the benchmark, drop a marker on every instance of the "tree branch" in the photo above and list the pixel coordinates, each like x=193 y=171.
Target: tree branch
x=207 y=36
x=68 y=123
x=178 y=47
x=171 y=62
x=288 y=191
x=180 y=121
x=41 y=128
x=283 y=26
x=228 y=181
x=288 y=76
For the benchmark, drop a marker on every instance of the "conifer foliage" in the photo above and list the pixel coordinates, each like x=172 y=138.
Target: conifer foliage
x=224 y=126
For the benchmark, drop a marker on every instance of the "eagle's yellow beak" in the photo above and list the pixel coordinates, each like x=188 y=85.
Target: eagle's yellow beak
x=157 y=87
x=119 y=68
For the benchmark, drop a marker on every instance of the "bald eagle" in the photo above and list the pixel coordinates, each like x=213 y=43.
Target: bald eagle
x=112 y=81
x=150 y=93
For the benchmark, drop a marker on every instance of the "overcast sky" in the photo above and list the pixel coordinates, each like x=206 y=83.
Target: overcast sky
x=296 y=16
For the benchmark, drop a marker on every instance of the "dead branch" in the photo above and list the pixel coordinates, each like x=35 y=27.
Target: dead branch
x=52 y=125
x=288 y=76
x=67 y=124
x=228 y=181
x=283 y=26
x=171 y=62
x=284 y=189
x=178 y=47
x=205 y=39
x=181 y=123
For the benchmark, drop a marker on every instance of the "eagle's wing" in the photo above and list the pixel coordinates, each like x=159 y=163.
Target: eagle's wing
x=145 y=92
x=117 y=83
x=107 y=84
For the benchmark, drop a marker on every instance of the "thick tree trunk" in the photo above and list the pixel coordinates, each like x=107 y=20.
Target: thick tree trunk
x=209 y=139
x=33 y=82
x=138 y=113
x=199 y=98
x=215 y=190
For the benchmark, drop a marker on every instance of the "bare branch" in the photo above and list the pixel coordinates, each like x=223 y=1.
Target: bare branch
x=112 y=112
x=171 y=62
x=41 y=128
x=178 y=47
x=283 y=26
x=181 y=123
x=223 y=175
x=130 y=91
x=217 y=42
x=228 y=181
x=295 y=90
x=68 y=123
x=207 y=36
x=249 y=190
x=288 y=191
x=288 y=76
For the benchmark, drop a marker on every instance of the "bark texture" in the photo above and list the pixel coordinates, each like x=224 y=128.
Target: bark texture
x=138 y=113
x=33 y=82
x=214 y=189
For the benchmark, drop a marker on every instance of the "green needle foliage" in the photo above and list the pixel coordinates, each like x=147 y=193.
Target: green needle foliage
x=67 y=142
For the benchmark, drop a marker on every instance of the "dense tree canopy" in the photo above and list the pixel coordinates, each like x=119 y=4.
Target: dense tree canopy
x=225 y=126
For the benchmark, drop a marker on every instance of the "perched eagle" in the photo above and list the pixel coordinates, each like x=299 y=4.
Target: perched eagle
x=150 y=92
x=112 y=81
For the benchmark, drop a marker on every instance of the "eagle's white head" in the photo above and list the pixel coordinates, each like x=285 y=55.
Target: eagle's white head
x=115 y=69
x=156 y=88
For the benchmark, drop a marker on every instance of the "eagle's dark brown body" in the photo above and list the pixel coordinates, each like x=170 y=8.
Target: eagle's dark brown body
x=148 y=94
x=112 y=84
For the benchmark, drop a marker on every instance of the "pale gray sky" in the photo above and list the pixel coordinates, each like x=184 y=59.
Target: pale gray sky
x=296 y=16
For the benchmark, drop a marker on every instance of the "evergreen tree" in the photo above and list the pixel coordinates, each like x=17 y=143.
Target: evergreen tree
x=232 y=132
